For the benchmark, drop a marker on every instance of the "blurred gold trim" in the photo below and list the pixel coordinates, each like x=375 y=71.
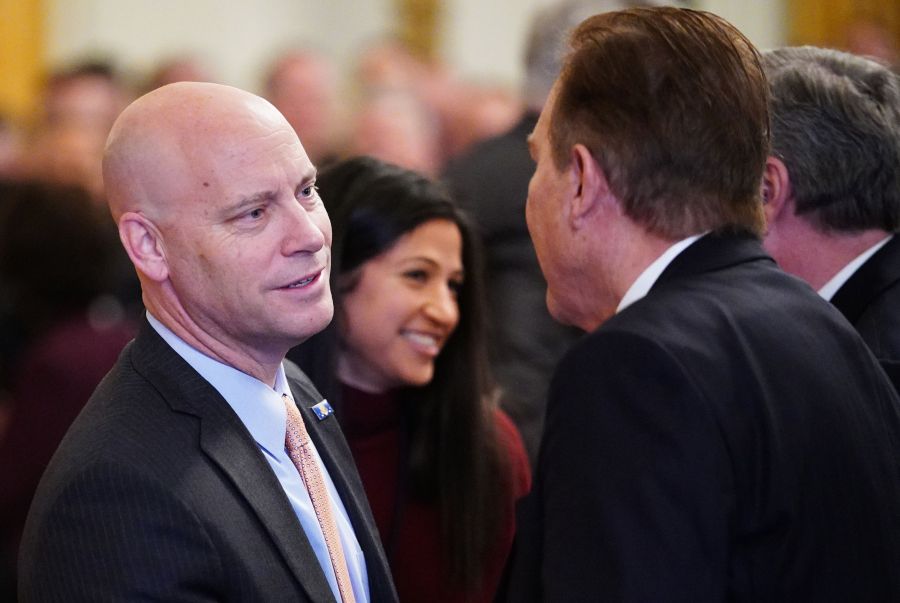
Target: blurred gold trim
x=829 y=22
x=418 y=28
x=21 y=56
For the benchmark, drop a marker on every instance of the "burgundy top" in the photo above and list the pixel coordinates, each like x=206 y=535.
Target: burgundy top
x=372 y=426
x=57 y=375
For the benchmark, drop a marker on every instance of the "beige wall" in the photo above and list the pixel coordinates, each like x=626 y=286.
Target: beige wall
x=21 y=37
x=763 y=21
x=483 y=38
x=236 y=39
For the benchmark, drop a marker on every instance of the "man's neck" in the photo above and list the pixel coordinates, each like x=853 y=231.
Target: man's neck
x=820 y=256
x=647 y=278
x=634 y=251
x=260 y=366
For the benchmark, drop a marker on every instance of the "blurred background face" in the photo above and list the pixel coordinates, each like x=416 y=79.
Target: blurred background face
x=303 y=87
x=402 y=309
x=88 y=99
x=396 y=127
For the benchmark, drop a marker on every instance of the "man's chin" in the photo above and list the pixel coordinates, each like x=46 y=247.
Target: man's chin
x=557 y=310
x=316 y=322
x=570 y=317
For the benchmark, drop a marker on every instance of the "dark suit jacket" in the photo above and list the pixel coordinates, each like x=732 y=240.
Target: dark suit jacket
x=870 y=300
x=159 y=492
x=491 y=183
x=729 y=437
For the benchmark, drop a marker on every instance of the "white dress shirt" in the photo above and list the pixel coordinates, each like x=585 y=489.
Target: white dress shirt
x=262 y=411
x=642 y=284
x=837 y=281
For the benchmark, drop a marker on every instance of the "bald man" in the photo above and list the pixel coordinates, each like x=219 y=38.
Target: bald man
x=174 y=483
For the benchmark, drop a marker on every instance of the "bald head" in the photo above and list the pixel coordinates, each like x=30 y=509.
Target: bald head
x=168 y=143
x=216 y=205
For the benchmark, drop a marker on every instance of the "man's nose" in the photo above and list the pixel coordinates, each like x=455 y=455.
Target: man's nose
x=303 y=233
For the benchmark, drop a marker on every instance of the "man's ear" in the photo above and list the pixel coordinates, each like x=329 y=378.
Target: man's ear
x=144 y=245
x=589 y=184
x=776 y=190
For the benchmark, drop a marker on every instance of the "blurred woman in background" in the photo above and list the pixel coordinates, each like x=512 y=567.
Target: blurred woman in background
x=404 y=365
x=61 y=330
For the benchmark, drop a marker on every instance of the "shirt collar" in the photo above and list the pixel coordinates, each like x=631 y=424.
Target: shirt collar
x=258 y=406
x=837 y=281
x=641 y=286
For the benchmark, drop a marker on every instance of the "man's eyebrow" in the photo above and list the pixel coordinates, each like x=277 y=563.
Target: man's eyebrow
x=309 y=176
x=251 y=200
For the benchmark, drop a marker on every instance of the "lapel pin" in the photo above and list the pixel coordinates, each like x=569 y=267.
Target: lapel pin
x=322 y=410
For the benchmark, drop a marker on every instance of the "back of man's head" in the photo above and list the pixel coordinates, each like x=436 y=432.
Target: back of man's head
x=836 y=128
x=673 y=105
x=546 y=45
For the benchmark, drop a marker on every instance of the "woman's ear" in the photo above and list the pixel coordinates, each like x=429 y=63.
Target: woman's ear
x=144 y=245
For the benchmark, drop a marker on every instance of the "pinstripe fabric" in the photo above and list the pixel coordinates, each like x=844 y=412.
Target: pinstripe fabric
x=158 y=492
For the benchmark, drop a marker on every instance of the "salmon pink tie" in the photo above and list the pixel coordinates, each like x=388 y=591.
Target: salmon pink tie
x=299 y=449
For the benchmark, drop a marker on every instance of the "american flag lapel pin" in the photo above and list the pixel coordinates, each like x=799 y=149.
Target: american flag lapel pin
x=322 y=410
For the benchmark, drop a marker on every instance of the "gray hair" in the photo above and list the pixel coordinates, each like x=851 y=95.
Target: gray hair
x=836 y=127
x=547 y=41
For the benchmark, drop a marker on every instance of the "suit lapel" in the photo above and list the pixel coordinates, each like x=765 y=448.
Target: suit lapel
x=879 y=272
x=226 y=441
x=253 y=477
x=329 y=441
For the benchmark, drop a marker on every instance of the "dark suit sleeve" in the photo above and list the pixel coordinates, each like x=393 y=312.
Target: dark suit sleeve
x=634 y=485
x=113 y=535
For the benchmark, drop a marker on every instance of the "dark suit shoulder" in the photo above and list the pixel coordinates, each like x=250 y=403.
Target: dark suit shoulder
x=879 y=326
x=128 y=418
x=879 y=322
x=98 y=535
x=869 y=300
x=873 y=283
x=708 y=418
x=628 y=428
x=159 y=459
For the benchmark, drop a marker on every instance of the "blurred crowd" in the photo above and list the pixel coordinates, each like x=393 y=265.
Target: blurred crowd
x=398 y=108
x=69 y=299
x=394 y=106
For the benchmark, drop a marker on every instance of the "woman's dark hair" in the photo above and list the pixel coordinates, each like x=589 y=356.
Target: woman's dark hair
x=455 y=460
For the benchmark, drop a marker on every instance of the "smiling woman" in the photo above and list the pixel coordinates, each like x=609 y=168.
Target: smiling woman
x=402 y=309
x=404 y=365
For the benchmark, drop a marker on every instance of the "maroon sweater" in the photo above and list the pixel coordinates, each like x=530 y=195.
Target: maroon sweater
x=372 y=426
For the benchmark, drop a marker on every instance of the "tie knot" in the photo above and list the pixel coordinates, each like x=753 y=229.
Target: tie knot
x=296 y=435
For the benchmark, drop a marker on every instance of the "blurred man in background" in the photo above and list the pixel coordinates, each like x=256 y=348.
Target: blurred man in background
x=303 y=86
x=491 y=182
x=832 y=186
